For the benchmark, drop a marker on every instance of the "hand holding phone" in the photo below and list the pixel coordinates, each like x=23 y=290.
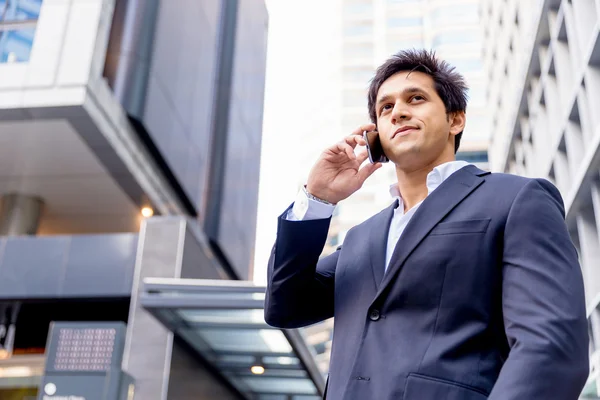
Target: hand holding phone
x=374 y=149
x=339 y=172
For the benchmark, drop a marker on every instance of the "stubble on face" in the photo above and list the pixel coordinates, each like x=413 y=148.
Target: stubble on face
x=410 y=100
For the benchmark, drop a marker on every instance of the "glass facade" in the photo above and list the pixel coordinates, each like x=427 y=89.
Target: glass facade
x=178 y=114
x=240 y=191
x=17 y=29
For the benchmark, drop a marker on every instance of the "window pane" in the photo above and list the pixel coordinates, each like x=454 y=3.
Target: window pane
x=394 y=45
x=404 y=22
x=358 y=9
x=16 y=43
x=15 y=46
x=473 y=156
x=467 y=64
x=20 y=10
x=360 y=76
x=358 y=50
x=457 y=37
x=456 y=15
x=358 y=29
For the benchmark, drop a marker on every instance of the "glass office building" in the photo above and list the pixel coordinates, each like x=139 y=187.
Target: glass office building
x=130 y=137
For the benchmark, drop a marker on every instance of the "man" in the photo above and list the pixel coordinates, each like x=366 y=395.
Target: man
x=467 y=287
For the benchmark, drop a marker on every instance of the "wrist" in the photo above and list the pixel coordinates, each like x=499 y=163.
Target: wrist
x=321 y=198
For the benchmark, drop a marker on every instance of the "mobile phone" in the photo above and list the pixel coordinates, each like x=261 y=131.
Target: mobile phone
x=374 y=148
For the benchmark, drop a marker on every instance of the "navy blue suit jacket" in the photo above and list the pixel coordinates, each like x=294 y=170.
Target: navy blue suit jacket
x=483 y=297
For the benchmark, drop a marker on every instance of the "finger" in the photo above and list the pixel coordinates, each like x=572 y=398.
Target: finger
x=365 y=127
x=344 y=147
x=362 y=156
x=367 y=171
x=354 y=140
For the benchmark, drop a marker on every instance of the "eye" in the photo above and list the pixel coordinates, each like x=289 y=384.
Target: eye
x=386 y=107
x=417 y=97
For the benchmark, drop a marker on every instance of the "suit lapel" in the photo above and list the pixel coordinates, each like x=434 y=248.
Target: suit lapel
x=433 y=209
x=378 y=236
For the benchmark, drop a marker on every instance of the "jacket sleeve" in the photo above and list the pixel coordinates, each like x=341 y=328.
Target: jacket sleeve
x=300 y=287
x=543 y=301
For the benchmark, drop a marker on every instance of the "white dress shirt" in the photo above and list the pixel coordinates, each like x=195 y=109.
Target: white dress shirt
x=305 y=208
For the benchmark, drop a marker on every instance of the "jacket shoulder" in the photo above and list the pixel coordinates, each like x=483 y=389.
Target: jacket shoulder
x=515 y=181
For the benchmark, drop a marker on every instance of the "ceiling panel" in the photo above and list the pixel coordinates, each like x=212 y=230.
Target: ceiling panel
x=48 y=158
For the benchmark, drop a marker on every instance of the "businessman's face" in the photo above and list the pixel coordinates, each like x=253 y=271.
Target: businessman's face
x=413 y=125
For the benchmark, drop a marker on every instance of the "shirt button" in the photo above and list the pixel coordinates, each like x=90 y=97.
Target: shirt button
x=374 y=315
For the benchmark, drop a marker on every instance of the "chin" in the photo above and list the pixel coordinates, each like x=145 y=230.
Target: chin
x=406 y=158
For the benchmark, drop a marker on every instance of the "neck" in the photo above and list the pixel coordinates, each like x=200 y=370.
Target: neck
x=412 y=182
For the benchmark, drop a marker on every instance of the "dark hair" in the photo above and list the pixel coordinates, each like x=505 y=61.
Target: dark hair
x=449 y=84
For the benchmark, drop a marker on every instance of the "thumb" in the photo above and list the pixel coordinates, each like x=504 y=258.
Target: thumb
x=367 y=171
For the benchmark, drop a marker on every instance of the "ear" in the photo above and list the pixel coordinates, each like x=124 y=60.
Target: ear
x=457 y=122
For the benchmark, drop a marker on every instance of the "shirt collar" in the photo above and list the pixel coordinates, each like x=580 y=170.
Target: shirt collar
x=434 y=178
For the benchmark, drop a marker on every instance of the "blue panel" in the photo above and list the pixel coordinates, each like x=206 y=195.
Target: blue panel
x=15 y=45
x=33 y=266
x=100 y=265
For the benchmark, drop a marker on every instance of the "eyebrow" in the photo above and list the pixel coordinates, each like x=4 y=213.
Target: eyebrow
x=408 y=90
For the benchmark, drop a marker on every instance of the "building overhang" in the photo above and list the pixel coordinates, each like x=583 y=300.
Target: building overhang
x=223 y=322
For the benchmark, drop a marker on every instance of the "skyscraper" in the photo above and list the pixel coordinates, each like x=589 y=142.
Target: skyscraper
x=111 y=112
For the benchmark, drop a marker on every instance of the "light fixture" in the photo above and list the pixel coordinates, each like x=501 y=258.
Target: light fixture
x=4 y=354
x=147 y=212
x=257 y=370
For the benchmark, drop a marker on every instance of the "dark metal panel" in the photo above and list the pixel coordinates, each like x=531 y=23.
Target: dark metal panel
x=220 y=124
x=239 y=198
x=67 y=266
x=33 y=267
x=100 y=265
x=129 y=53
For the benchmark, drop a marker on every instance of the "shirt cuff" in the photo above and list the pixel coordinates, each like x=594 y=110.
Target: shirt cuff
x=306 y=209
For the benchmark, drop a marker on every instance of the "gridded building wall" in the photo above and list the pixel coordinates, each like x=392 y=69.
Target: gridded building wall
x=543 y=62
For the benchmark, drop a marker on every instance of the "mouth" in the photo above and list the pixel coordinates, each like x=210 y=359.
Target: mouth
x=405 y=130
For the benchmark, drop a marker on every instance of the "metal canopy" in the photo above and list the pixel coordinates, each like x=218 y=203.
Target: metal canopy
x=224 y=322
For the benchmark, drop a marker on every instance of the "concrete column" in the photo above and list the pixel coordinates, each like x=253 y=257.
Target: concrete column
x=20 y=214
x=162 y=369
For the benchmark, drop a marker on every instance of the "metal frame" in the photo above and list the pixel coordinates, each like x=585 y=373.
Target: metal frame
x=157 y=296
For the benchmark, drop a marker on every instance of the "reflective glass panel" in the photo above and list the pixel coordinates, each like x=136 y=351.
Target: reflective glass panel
x=223 y=316
x=17 y=29
x=258 y=340
x=280 y=385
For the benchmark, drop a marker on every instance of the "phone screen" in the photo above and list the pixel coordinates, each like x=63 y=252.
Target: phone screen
x=374 y=148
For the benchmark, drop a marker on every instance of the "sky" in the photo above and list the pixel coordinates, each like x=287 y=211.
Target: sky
x=302 y=103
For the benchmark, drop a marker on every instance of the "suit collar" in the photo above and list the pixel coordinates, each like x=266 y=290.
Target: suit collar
x=433 y=209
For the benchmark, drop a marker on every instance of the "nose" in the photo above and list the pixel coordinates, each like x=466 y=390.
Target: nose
x=400 y=113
